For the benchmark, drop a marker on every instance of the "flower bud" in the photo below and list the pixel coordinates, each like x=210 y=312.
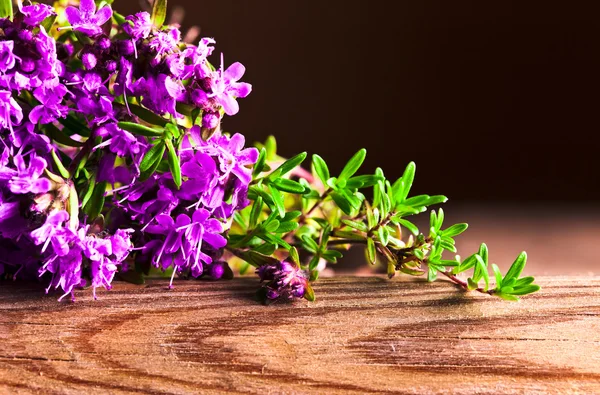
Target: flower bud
x=89 y=60
x=27 y=65
x=111 y=66
x=125 y=48
x=210 y=120
x=103 y=43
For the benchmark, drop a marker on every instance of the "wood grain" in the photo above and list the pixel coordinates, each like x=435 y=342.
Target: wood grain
x=363 y=335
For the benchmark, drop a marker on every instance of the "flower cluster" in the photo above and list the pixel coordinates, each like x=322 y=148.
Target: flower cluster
x=284 y=280
x=84 y=189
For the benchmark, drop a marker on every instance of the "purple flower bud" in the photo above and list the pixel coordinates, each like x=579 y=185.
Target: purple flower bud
x=89 y=60
x=27 y=65
x=25 y=35
x=111 y=66
x=210 y=120
x=285 y=280
x=216 y=270
x=65 y=50
x=125 y=47
x=103 y=43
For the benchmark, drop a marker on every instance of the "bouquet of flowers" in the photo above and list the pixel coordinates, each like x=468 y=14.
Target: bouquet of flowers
x=113 y=162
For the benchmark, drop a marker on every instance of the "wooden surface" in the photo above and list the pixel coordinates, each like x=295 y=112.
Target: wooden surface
x=365 y=335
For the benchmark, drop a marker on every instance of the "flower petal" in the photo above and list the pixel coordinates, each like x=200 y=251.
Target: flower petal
x=103 y=15
x=234 y=72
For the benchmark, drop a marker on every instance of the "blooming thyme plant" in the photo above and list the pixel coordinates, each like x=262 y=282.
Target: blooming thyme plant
x=113 y=162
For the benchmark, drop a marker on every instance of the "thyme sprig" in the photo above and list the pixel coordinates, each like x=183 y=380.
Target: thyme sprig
x=322 y=215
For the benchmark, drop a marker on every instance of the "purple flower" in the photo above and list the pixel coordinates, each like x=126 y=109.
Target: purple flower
x=34 y=14
x=232 y=156
x=54 y=233
x=7 y=56
x=165 y=42
x=161 y=94
x=86 y=20
x=50 y=95
x=10 y=112
x=119 y=141
x=285 y=280
x=27 y=176
x=202 y=175
x=226 y=88
x=138 y=26
x=183 y=241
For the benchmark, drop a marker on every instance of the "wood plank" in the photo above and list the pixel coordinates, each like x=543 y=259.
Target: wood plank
x=362 y=335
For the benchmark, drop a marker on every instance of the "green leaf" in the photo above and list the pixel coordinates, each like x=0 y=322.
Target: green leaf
x=419 y=254
x=448 y=246
x=403 y=186
x=147 y=115
x=48 y=23
x=260 y=162
x=417 y=201
x=314 y=262
x=498 y=276
x=272 y=225
x=320 y=168
x=356 y=225
x=277 y=200
x=437 y=199
x=483 y=271
x=309 y=294
x=289 y=186
x=440 y=220
x=288 y=165
x=310 y=244
x=153 y=157
x=141 y=130
x=291 y=215
x=90 y=189
x=256 y=211
x=159 y=12
x=59 y=165
x=524 y=281
x=60 y=136
x=174 y=164
x=455 y=230
x=412 y=228
x=431 y=273
x=353 y=165
x=74 y=125
x=506 y=296
x=294 y=256
x=286 y=227
x=6 y=9
x=517 y=267
x=527 y=289
x=412 y=272
x=271 y=147
x=95 y=204
x=384 y=235
x=314 y=275
x=363 y=181
x=483 y=253
x=266 y=248
x=371 y=251
x=342 y=202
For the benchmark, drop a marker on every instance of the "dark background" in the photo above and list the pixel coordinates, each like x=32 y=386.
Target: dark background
x=494 y=100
